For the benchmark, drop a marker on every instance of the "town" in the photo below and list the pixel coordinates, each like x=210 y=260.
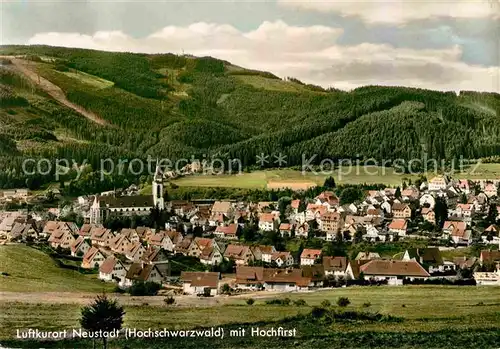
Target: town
x=209 y=247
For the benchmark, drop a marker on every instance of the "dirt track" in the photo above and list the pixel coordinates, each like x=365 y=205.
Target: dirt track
x=52 y=90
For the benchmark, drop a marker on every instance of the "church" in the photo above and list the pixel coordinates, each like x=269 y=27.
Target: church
x=140 y=205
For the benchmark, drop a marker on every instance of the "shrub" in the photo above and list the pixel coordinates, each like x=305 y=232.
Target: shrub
x=144 y=289
x=300 y=303
x=326 y=303
x=226 y=289
x=367 y=305
x=343 y=302
x=250 y=301
x=169 y=300
x=277 y=301
x=317 y=312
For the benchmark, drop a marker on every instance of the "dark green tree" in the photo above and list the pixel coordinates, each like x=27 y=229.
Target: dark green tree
x=103 y=315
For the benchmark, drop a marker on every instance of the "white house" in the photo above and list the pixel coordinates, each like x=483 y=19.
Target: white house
x=195 y=283
x=112 y=270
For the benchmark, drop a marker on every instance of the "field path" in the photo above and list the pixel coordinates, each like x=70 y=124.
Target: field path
x=53 y=90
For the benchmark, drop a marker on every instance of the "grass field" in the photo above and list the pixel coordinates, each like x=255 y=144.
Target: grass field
x=271 y=84
x=368 y=174
x=423 y=309
x=30 y=270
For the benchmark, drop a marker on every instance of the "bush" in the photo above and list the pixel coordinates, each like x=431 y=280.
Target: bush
x=250 y=301
x=300 y=303
x=277 y=301
x=367 y=305
x=343 y=302
x=149 y=288
x=226 y=289
x=326 y=303
x=317 y=312
x=169 y=300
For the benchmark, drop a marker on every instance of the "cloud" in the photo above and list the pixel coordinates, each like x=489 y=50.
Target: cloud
x=311 y=54
x=400 y=11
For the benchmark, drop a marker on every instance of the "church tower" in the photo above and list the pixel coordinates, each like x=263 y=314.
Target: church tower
x=158 y=188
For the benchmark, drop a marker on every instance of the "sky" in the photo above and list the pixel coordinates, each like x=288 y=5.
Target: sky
x=445 y=45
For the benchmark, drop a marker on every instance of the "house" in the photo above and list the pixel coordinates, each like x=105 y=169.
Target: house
x=464 y=262
x=79 y=247
x=184 y=247
x=112 y=269
x=93 y=258
x=197 y=283
x=61 y=239
x=101 y=236
x=223 y=208
x=216 y=219
x=86 y=230
x=491 y=235
x=489 y=257
x=131 y=234
x=375 y=212
x=401 y=210
x=211 y=255
x=263 y=253
x=144 y=233
x=335 y=266
x=353 y=269
x=487 y=278
x=427 y=200
x=490 y=190
x=135 y=251
x=52 y=226
x=175 y=237
x=141 y=272
x=272 y=279
x=285 y=229
x=429 y=215
x=159 y=258
x=295 y=204
x=331 y=223
x=430 y=258
x=21 y=231
x=410 y=194
x=267 y=221
x=367 y=256
x=241 y=254
x=394 y=271
x=227 y=231
x=465 y=186
x=199 y=244
x=314 y=212
x=161 y=240
x=309 y=256
x=282 y=259
x=398 y=226
x=438 y=183
x=119 y=244
x=328 y=199
x=302 y=230
x=464 y=210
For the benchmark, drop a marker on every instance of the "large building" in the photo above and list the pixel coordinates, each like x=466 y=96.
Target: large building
x=105 y=205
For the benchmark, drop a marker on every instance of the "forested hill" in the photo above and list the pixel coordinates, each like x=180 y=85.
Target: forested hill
x=179 y=106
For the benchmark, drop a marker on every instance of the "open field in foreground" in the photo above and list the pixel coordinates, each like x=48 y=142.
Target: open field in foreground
x=427 y=317
x=30 y=270
x=367 y=174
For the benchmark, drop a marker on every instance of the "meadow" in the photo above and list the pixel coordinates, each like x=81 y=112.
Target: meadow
x=368 y=174
x=422 y=312
x=25 y=269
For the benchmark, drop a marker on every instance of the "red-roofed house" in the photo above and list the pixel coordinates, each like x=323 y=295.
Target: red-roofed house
x=227 y=231
x=398 y=226
x=112 y=269
x=268 y=221
x=282 y=259
x=196 y=283
x=309 y=256
x=394 y=271
x=79 y=247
